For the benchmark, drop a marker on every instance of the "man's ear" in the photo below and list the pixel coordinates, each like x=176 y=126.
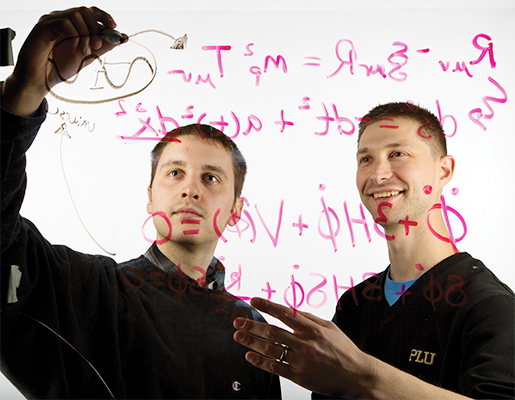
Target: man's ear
x=236 y=212
x=446 y=169
x=149 y=204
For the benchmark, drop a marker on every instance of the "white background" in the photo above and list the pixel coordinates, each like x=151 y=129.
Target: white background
x=108 y=177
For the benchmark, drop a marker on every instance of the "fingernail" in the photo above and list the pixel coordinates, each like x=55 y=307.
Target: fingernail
x=257 y=301
x=239 y=322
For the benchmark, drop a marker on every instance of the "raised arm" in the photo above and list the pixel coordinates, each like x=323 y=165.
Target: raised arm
x=321 y=358
x=77 y=31
x=56 y=304
x=34 y=75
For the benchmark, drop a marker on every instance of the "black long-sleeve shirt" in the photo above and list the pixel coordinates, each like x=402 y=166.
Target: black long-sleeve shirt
x=453 y=328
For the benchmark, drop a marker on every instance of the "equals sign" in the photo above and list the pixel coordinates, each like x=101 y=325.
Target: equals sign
x=312 y=61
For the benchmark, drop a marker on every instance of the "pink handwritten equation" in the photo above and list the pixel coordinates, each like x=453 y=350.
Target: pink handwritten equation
x=327 y=222
x=330 y=222
x=155 y=127
x=347 y=56
x=152 y=126
x=433 y=292
x=297 y=294
x=178 y=283
x=155 y=123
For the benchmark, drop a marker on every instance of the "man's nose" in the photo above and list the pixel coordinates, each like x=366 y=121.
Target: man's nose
x=381 y=171
x=190 y=189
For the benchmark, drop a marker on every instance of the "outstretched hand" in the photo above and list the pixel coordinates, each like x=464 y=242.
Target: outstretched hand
x=59 y=45
x=316 y=355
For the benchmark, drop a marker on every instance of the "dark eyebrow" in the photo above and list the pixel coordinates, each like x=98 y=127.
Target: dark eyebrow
x=205 y=167
x=388 y=146
x=173 y=163
x=215 y=168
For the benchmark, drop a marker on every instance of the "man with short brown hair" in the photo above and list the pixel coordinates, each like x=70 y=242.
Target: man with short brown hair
x=436 y=324
x=82 y=326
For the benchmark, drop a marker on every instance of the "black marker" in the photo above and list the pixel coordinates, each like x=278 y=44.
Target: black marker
x=113 y=36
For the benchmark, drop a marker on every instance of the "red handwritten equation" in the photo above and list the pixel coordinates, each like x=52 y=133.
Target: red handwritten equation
x=155 y=127
x=297 y=293
x=152 y=125
x=328 y=226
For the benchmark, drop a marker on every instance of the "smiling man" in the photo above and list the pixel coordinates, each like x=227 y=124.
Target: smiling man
x=159 y=326
x=400 y=176
x=436 y=324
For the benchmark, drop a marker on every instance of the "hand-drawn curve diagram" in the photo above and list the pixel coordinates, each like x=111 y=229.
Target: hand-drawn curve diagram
x=125 y=71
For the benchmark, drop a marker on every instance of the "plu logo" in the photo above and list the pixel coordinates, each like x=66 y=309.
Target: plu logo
x=416 y=356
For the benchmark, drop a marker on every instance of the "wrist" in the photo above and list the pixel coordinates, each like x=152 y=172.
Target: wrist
x=368 y=384
x=21 y=99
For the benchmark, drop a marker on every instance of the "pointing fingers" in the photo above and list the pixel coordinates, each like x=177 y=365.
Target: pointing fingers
x=265 y=341
x=316 y=355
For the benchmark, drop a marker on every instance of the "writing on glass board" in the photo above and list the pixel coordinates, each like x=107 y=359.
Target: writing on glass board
x=153 y=121
x=232 y=125
x=126 y=71
x=328 y=227
x=296 y=293
x=70 y=120
x=179 y=284
x=149 y=129
x=346 y=55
